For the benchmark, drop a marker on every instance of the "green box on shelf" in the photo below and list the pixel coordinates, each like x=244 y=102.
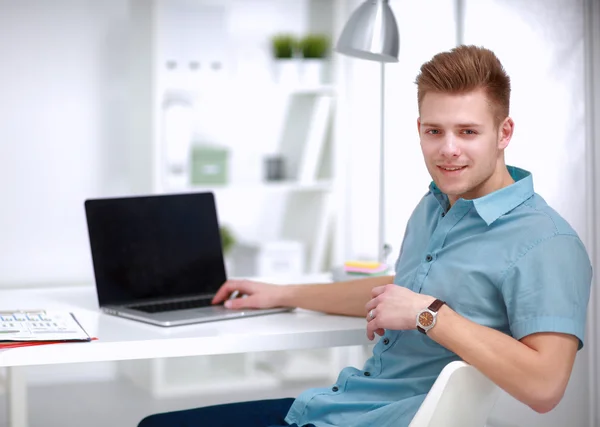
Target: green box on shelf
x=209 y=165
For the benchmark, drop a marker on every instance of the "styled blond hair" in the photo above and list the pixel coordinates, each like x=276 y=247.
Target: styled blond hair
x=464 y=69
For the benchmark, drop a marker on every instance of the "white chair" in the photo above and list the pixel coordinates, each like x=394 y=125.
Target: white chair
x=460 y=397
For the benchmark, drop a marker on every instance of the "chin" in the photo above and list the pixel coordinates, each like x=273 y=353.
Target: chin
x=451 y=190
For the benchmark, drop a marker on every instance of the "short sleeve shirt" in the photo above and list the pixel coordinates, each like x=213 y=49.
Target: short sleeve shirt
x=507 y=261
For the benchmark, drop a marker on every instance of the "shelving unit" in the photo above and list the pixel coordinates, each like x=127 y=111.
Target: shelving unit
x=275 y=186
x=325 y=89
x=174 y=56
x=190 y=54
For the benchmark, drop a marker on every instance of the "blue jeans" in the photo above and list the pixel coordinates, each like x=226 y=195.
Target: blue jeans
x=259 y=413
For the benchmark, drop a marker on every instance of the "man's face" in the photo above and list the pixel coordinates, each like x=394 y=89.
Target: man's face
x=461 y=144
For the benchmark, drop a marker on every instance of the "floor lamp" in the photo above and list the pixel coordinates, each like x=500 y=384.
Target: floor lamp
x=371 y=33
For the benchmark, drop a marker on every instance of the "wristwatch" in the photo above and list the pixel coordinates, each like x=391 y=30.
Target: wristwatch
x=426 y=318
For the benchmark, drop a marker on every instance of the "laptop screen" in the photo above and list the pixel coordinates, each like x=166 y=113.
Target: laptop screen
x=159 y=246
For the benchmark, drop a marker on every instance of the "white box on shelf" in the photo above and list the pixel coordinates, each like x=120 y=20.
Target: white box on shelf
x=280 y=258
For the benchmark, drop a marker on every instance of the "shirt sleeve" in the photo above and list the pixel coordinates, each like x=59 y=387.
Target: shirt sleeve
x=548 y=288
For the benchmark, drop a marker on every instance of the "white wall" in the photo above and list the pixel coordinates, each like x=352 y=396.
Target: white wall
x=61 y=132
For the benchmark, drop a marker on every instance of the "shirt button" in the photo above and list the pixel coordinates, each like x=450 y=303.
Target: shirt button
x=428 y=258
x=367 y=374
x=334 y=388
x=386 y=341
x=443 y=214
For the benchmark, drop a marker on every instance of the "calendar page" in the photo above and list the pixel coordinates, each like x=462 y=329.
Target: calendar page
x=40 y=326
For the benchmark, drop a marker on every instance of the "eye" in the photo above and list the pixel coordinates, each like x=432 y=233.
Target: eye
x=469 y=132
x=433 y=132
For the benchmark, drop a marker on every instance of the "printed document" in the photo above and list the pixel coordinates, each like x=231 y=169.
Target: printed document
x=40 y=326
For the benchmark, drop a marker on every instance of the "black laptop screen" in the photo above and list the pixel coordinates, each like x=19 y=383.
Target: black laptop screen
x=151 y=247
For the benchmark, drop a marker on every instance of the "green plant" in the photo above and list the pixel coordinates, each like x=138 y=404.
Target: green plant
x=284 y=46
x=227 y=239
x=314 y=46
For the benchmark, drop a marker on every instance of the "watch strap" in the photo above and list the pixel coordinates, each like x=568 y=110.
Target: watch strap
x=436 y=305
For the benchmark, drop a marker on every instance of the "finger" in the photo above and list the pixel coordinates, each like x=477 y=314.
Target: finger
x=371 y=314
x=371 y=328
x=223 y=292
x=378 y=290
x=371 y=304
x=238 y=303
x=228 y=287
x=380 y=331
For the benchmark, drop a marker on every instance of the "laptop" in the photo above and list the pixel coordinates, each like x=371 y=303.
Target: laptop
x=158 y=258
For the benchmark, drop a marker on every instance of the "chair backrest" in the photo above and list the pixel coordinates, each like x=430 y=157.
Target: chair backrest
x=460 y=397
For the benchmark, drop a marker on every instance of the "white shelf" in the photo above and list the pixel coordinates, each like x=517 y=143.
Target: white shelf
x=324 y=89
x=243 y=89
x=307 y=365
x=275 y=186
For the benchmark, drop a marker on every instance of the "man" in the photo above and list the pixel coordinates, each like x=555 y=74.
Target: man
x=505 y=278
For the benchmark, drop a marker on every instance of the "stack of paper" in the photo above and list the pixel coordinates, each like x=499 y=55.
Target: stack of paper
x=22 y=328
x=366 y=268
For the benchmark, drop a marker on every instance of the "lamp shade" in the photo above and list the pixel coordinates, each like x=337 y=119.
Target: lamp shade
x=371 y=33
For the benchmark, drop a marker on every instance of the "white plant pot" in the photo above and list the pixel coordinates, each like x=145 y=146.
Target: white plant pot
x=287 y=71
x=229 y=265
x=312 y=72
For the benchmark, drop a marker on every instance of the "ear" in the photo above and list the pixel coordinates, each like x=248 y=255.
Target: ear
x=505 y=133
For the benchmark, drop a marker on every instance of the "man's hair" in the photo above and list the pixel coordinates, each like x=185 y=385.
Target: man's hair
x=464 y=69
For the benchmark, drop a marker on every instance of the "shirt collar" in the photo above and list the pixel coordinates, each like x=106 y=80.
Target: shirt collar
x=492 y=206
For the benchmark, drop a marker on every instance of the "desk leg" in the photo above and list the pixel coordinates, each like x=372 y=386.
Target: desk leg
x=16 y=396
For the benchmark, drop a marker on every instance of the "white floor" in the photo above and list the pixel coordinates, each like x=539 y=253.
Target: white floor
x=119 y=403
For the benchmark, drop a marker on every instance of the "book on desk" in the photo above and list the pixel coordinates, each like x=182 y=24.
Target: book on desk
x=19 y=328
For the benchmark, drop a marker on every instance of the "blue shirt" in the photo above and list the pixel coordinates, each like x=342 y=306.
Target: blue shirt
x=506 y=260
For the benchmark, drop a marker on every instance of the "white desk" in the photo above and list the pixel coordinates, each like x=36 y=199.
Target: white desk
x=121 y=339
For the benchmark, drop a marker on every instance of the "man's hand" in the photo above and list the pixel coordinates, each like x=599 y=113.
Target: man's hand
x=257 y=294
x=394 y=307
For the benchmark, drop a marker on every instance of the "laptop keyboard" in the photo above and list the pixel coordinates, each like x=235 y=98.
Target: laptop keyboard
x=161 y=307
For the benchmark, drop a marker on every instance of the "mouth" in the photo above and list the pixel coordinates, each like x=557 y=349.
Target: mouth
x=451 y=168
x=451 y=171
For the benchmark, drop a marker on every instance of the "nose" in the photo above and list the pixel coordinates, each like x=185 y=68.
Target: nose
x=450 y=147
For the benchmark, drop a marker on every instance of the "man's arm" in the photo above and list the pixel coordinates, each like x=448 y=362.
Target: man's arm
x=534 y=370
x=345 y=298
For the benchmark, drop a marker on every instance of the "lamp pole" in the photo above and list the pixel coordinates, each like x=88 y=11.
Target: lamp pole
x=382 y=249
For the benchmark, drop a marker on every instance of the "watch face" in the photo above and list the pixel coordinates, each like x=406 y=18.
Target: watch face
x=426 y=319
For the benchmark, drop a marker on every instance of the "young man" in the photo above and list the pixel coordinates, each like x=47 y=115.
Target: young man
x=505 y=278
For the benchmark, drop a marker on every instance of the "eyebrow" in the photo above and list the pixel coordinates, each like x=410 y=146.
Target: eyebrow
x=458 y=125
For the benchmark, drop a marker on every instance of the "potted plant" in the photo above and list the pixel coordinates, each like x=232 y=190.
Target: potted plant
x=227 y=243
x=284 y=48
x=314 y=49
